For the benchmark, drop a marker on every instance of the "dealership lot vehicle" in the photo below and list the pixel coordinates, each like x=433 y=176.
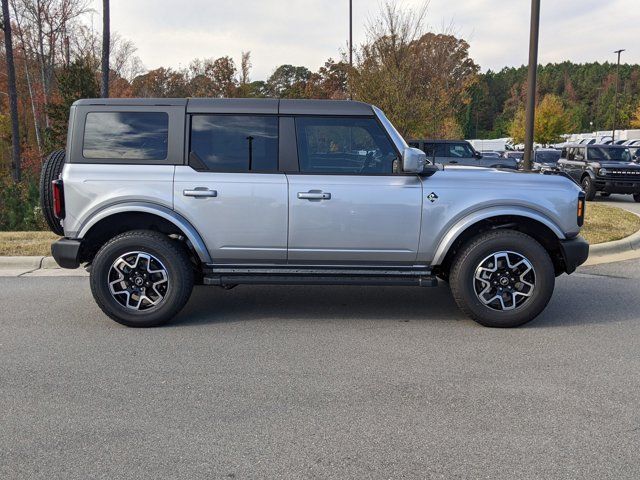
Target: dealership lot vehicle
x=602 y=168
x=460 y=152
x=546 y=159
x=156 y=195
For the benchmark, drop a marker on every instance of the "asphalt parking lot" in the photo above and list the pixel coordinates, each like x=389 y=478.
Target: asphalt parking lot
x=622 y=201
x=321 y=382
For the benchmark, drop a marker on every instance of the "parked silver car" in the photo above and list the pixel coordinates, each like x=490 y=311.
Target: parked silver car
x=154 y=195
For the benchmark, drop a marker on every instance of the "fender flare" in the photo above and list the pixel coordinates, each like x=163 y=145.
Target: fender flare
x=474 y=217
x=153 y=209
x=590 y=173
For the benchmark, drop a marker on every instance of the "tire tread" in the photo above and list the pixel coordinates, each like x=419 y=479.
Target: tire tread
x=51 y=169
x=460 y=261
x=184 y=286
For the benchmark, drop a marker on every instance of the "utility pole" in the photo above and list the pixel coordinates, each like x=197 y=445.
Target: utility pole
x=531 y=84
x=615 y=108
x=106 y=44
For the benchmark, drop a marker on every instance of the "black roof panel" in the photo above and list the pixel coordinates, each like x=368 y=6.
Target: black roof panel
x=133 y=102
x=324 y=107
x=263 y=106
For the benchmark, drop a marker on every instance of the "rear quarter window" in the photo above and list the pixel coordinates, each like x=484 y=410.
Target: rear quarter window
x=126 y=135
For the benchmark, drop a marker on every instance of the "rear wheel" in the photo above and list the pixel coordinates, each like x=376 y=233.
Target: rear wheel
x=588 y=187
x=51 y=170
x=141 y=278
x=502 y=278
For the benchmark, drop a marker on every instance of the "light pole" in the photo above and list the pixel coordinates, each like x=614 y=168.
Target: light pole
x=615 y=108
x=531 y=83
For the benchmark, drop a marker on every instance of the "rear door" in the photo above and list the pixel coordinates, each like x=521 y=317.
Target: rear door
x=231 y=191
x=348 y=202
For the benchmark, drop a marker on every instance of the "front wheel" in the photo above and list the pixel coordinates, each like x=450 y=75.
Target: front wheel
x=589 y=188
x=141 y=278
x=502 y=278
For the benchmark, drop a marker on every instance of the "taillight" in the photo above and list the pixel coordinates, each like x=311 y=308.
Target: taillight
x=58 y=199
x=581 y=208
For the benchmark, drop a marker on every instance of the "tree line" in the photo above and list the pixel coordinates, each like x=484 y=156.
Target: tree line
x=425 y=81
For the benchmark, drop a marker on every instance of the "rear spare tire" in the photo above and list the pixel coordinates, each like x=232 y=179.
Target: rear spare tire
x=51 y=170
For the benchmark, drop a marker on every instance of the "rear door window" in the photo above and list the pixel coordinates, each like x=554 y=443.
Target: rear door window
x=126 y=135
x=235 y=143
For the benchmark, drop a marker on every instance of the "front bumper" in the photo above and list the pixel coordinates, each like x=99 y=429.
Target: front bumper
x=66 y=252
x=574 y=253
x=617 y=186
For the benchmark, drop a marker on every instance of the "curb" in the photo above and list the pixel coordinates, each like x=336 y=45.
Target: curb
x=624 y=245
x=28 y=262
x=33 y=263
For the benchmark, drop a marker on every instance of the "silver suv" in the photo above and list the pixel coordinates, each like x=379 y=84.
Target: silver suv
x=156 y=195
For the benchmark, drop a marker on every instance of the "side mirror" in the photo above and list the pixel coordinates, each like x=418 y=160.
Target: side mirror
x=413 y=160
x=478 y=155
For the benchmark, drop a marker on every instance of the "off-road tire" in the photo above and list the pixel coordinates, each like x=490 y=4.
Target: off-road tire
x=588 y=187
x=174 y=258
x=51 y=170
x=484 y=245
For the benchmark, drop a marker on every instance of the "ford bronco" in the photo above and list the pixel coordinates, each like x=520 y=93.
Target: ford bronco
x=602 y=168
x=153 y=196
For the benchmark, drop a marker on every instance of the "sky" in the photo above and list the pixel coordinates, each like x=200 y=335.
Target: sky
x=171 y=33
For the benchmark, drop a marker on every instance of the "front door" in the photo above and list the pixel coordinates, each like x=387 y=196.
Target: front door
x=231 y=192
x=349 y=204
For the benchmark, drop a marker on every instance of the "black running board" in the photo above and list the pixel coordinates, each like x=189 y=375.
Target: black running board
x=224 y=276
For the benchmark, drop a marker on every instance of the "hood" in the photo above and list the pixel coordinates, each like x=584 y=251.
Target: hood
x=625 y=165
x=494 y=177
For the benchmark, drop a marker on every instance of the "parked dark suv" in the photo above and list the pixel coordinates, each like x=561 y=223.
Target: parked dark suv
x=460 y=152
x=602 y=168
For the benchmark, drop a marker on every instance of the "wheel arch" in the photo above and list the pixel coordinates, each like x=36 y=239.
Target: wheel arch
x=135 y=216
x=587 y=173
x=542 y=229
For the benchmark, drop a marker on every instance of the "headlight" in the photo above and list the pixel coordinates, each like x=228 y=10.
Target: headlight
x=603 y=171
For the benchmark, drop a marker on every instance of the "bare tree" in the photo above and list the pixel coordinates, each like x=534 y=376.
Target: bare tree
x=106 y=38
x=13 y=95
x=245 y=68
x=30 y=87
x=46 y=25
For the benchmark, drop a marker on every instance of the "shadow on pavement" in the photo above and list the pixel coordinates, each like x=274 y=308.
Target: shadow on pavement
x=318 y=303
x=581 y=299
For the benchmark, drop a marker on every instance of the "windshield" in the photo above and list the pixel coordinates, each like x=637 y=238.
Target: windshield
x=548 y=157
x=604 y=153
